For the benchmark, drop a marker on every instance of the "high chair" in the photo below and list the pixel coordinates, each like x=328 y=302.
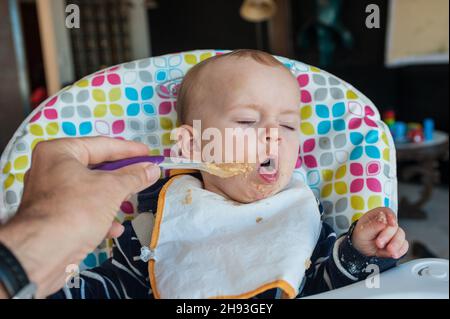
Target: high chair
x=347 y=155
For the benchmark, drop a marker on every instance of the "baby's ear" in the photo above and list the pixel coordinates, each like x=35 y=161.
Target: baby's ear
x=187 y=144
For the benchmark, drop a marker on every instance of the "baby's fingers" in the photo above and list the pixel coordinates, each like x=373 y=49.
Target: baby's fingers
x=385 y=253
x=385 y=236
x=396 y=247
x=404 y=249
x=396 y=243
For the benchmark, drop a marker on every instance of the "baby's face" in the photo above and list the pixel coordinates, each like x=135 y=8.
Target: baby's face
x=242 y=93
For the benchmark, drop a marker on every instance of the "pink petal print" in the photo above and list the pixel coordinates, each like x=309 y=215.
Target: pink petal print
x=51 y=102
x=51 y=114
x=127 y=208
x=356 y=185
x=303 y=80
x=118 y=127
x=374 y=185
x=373 y=168
x=167 y=152
x=114 y=69
x=368 y=111
x=163 y=92
x=113 y=79
x=310 y=161
x=356 y=169
x=305 y=96
x=354 y=123
x=97 y=81
x=36 y=117
x=309 y=145
x=299 y=163
x=369 y=122
x=165 y=107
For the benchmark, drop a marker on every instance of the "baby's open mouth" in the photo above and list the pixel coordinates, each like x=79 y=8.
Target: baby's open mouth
x=268 y=170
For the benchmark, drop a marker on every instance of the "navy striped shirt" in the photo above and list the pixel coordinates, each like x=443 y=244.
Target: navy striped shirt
x=334 y=263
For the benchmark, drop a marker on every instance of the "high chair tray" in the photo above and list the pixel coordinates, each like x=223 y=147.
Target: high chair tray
x=416 y=279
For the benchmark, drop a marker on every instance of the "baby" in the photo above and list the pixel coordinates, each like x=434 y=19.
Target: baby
x=244 y=89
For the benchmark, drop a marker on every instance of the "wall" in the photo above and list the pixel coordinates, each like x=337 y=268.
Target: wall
x=11 y=106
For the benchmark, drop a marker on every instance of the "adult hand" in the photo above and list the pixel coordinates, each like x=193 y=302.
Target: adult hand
x=67 y=209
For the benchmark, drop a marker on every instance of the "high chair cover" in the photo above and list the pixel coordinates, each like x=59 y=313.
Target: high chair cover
x=347 y=154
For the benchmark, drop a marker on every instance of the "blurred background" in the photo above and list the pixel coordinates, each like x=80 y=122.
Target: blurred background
x=394 y=51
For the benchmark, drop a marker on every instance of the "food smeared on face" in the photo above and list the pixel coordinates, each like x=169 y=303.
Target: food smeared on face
x=226 y=170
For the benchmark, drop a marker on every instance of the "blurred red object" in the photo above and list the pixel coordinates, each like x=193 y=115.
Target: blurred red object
x=390 y=114
x=38 y=96
x=416 y=135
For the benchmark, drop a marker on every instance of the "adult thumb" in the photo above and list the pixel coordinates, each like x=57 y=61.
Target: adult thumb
x=137 y=177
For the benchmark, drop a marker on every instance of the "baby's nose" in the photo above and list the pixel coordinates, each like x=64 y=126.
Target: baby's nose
x=270 y=135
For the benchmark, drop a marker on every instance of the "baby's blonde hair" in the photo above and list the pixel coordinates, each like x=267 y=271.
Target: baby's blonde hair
x=191 y=77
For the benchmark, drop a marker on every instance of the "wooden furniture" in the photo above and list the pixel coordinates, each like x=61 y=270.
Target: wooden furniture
x=421 y=159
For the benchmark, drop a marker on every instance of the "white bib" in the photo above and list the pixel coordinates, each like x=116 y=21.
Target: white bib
x=204 y=246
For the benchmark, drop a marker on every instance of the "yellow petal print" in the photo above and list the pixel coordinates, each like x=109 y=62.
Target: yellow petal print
x=306 y=112
x=341 y=171
x=114 y=95
x=327 y=175
x=9 y=181
x=386 y=154
x=52 y=128
x=21 y=163
x=155 y=152
x=340 y=188
x=100 y=110
x=166 y=123
x=205 y=56
x=374 y=202
x=99 y=95
x=190 y=59
x=20 y=177
x=307 y=128
x=34 y=143
x=384 y=138
x=116 y=110
x=357 y=202
x=166 y=139
x=7 y=168
x=351 y=95
x=326 y=190
x=314 y=69
x=36 y=130
x=356 y=217
x=82 y=83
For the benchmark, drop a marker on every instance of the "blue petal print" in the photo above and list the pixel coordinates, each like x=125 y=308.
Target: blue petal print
x=324 y=127
x=356 y=153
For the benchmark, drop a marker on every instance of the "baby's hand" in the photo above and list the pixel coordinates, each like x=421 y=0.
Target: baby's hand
x=377 y=234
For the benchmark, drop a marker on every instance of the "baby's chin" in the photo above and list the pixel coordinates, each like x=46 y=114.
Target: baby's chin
x=252 y=189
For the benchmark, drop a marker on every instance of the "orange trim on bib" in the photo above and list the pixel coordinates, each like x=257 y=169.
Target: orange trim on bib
x=288 y=290
x=175 y=172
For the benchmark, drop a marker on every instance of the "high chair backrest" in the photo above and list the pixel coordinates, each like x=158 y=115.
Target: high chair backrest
x=347 y=155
